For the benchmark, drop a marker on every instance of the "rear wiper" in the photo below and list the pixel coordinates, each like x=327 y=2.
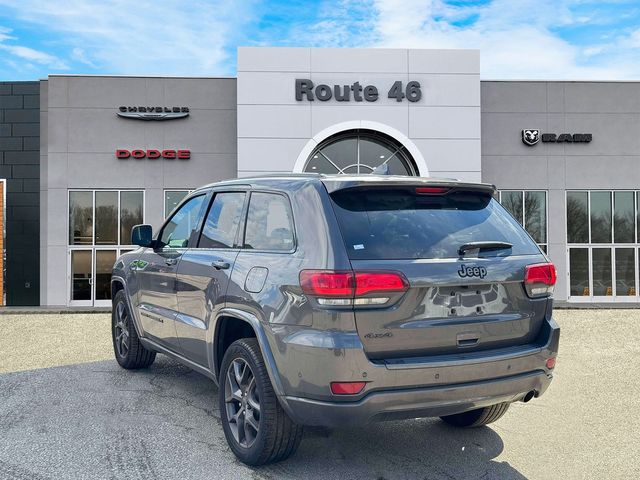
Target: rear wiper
x=488 y=245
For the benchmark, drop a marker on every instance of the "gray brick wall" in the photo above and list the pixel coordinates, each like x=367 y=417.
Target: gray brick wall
x=20 y=166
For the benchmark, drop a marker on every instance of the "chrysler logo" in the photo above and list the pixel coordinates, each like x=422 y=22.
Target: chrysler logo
x=153 y=113
x=530 y=136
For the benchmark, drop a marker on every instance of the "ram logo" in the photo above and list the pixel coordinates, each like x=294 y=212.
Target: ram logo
x=530 y=136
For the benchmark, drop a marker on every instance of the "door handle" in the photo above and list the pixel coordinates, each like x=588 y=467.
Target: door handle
x=170 y=261
x=220 y=265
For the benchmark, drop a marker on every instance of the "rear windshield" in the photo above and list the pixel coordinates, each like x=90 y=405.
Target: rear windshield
x=400 y=224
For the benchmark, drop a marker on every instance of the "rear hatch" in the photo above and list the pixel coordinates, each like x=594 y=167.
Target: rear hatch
x=464 y=258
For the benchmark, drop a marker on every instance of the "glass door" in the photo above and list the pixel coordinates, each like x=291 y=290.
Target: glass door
x=81 y=281
x=103 y=264
x=100 y=223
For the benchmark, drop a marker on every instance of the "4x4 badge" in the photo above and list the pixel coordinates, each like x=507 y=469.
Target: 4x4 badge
x=472 y=271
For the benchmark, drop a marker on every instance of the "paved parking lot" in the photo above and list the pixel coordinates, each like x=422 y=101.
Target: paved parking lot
x=68 y=411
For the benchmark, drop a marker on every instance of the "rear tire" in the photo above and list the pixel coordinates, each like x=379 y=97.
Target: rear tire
x=478 y=417
x=129 y=352
x=257 y=429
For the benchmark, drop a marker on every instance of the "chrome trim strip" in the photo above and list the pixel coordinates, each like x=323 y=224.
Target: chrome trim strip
x=191 y=321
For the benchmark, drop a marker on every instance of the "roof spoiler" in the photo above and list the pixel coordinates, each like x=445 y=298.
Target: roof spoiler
x=343 y=182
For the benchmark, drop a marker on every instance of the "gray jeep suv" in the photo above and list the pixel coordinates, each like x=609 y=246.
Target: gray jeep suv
x=340 y=300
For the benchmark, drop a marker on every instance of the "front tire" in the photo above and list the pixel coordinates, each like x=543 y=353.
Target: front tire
x=129 y=352
x=478 y=417
x=257 y=429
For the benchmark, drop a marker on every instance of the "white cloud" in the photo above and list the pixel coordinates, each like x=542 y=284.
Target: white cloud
x=516 y=39
x=141 y=37
x=26 y=55
x=31 y=55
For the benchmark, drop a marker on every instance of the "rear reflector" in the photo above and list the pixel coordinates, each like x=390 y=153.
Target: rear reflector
x=431 y=190
x=539 y=279
x=551 y=363
x=342 y=288
x=347 y=388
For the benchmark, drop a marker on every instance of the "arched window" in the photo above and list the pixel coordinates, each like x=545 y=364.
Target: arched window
x=360 y=151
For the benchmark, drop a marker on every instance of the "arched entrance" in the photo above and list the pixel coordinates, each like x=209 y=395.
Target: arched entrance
x=354 y=144
x=360 y=151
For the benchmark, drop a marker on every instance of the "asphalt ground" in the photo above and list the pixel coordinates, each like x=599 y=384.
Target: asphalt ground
x=67 y=411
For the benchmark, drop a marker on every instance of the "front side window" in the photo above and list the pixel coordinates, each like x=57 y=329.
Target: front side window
x=221 y=225
x=269 y=223
x=177 y=231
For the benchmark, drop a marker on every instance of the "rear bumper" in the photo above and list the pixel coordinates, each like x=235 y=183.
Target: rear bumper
x=417 y=403
x=407 y=388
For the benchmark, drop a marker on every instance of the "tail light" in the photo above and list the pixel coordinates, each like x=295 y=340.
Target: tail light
x=342 y=288
x=431 y=190
x=539 y=279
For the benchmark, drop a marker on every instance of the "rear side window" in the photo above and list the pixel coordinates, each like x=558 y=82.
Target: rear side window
x=269 y=223
x=221 y=226
x=401 y=224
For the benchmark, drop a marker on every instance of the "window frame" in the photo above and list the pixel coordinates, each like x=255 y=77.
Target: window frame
x=92 y=247
x=236 y=242
x=93 y=220
x=613 y=246
x=288 y=204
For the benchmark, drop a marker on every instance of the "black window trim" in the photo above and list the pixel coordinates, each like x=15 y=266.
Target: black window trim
x=293 y=248
x=236 y=242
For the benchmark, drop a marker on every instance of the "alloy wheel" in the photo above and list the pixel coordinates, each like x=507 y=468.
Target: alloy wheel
x=242 y=402
x=122 y=330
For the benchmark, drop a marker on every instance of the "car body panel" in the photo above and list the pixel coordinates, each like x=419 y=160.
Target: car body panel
x=201 y=293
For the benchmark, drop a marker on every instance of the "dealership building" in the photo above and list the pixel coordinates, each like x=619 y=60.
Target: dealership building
x=83 y=158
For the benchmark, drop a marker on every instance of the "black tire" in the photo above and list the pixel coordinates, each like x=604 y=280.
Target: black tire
x=277 y=436
x=478 y=417
x=135 y=355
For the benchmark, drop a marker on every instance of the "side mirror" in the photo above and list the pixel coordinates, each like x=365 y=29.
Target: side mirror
x=142 y=235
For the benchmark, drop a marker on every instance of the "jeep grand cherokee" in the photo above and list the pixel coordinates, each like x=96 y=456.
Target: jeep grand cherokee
x=340 y=300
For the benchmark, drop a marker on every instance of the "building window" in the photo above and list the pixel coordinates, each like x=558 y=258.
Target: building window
x=172 y=199
x=100 y=223
x=529 y=208
x=360 y=151
x=603 y=242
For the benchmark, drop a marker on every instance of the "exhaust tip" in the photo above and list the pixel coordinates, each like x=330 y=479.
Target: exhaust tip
x=529 y=396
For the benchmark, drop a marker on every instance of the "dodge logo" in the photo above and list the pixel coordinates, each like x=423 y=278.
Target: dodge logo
x=530 y=136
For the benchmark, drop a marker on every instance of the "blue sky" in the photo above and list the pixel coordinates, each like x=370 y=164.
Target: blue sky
x=528 y=39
